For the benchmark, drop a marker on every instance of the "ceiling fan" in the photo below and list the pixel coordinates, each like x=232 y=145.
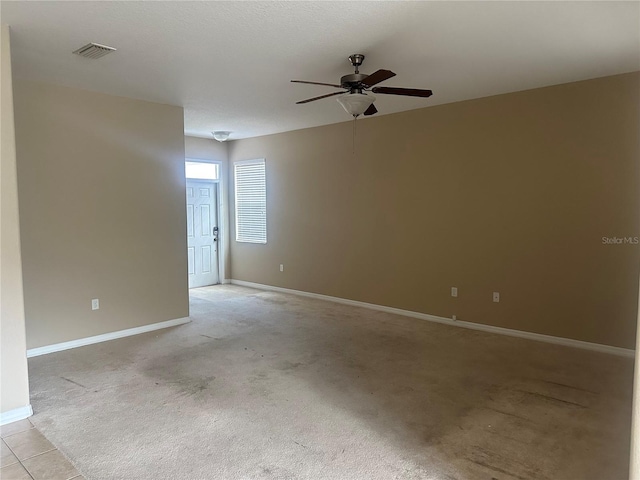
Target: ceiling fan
x=353 y=99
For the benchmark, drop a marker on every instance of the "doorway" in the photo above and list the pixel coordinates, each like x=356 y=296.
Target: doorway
x=203 y=225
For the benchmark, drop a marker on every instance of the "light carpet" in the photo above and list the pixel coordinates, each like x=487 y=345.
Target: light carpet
x=266 y=385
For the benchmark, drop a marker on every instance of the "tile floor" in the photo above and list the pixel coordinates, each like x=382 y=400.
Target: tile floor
x=28 y=455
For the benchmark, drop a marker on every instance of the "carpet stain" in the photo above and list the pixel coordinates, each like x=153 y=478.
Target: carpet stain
x=276 y=302
x=570 y=386
x=498 y=469
x=552 y=399
x=74 y=382
x=192 y=387
x=287 y=365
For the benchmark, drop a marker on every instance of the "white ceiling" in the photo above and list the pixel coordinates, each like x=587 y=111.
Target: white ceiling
x=229 y=63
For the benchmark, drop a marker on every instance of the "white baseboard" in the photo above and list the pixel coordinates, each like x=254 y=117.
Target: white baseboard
x=16 y=414
x=225 y=281
x=569 y=342
x=81 y=342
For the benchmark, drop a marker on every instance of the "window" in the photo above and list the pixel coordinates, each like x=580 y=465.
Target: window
x=251 y=201
x=201 y=170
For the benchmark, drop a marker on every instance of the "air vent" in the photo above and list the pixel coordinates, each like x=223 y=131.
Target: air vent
x=94 y=50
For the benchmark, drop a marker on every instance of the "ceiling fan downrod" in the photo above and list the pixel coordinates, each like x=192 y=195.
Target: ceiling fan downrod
x=356 y=60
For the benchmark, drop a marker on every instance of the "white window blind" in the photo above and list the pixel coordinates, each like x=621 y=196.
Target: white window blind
x=251 y=201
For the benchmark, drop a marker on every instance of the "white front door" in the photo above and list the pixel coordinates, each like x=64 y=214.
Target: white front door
x=202 y=233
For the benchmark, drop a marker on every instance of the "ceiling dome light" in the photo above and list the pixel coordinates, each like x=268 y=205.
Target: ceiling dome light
x=221 y=136
x=356 y=103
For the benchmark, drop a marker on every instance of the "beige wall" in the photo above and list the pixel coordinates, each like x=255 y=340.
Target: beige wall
x=511 y=193
x=102 y=195
x=14 y=386
x=211 y=150
x=205 y=149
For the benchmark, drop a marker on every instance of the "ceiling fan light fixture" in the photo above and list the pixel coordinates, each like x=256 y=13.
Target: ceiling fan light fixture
x=221 y=136
x=356 y=103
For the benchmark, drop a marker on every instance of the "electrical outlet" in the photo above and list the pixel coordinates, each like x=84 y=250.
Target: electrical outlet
x=496 y=297
x=454 y=291
x=95 y=304
x=281 y=267
x=454 y=317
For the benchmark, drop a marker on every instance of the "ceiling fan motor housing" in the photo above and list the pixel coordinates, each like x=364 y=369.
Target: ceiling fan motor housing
x=352 y=80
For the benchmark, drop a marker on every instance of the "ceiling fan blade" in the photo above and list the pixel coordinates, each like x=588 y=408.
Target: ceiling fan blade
x=377 y=77
x=410 y=92
x=318 y=98
x=317 y=83
x=371 y=110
